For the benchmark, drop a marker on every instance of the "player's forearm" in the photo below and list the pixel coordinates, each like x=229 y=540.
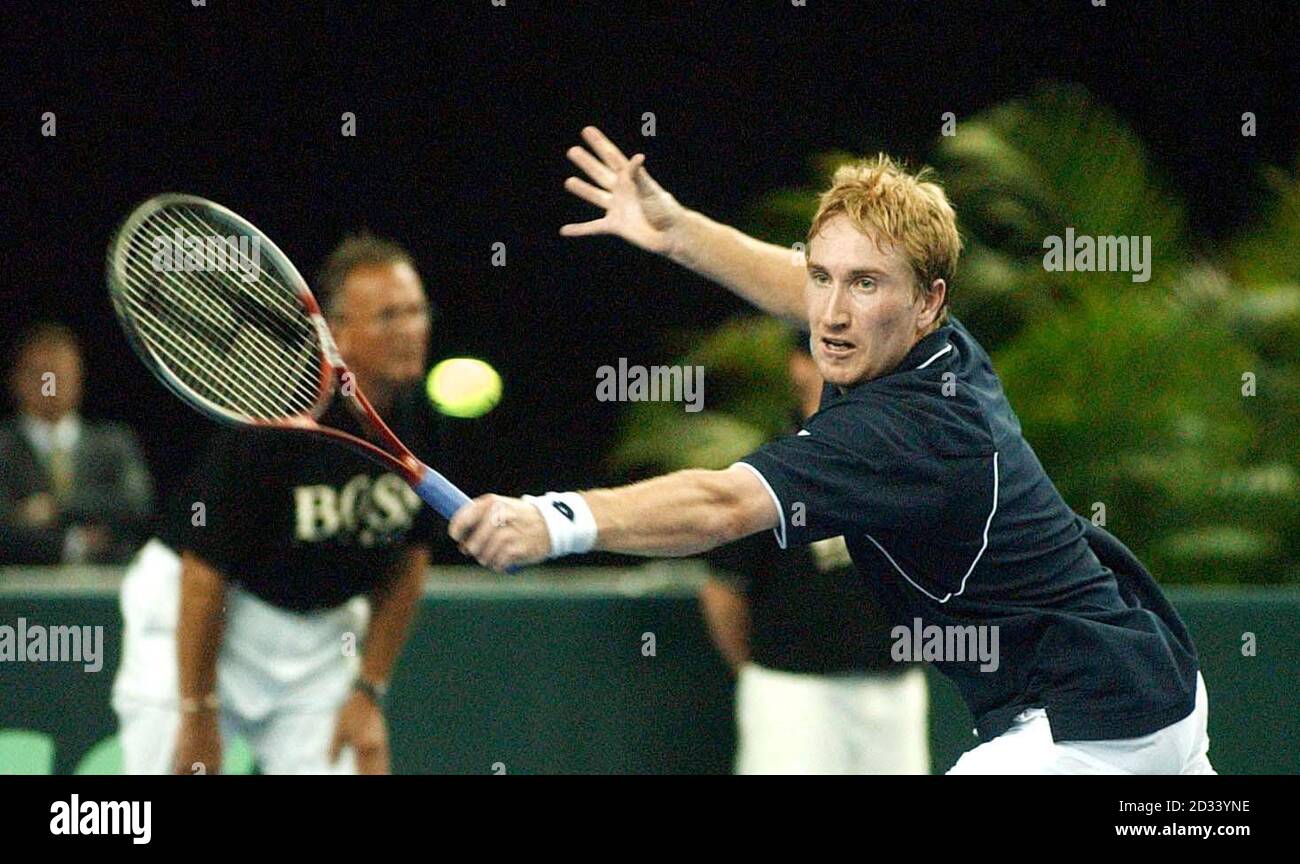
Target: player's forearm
x=683 y=513
x=679 y=514
x=769 y=276
x=393 y=609
x=199 y=627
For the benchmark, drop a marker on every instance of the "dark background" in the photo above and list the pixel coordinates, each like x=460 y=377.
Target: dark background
x=464 y=111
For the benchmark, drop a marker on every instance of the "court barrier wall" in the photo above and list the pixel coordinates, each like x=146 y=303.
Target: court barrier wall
x=594 y=671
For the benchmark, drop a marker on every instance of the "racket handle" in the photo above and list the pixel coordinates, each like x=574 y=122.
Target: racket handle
x=440 y=493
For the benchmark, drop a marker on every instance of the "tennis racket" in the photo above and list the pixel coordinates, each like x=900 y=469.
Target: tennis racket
x=222 y=317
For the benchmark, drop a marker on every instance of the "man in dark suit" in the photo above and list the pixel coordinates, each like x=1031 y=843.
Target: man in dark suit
x=71 y=490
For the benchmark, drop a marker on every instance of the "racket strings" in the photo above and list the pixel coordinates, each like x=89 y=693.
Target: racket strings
x=245 y=344
x=207 y=375
x=284 y=298
x=164 y=333
x=232 y=397
x=280 y=312
x=280 y=315
x=196 y=348
x=211 y=369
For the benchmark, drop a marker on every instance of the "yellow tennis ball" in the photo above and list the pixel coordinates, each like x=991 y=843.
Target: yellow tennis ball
x=464 y=387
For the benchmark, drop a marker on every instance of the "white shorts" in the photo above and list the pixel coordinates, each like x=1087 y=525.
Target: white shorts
x=1027 y=748
x=789 y=723
x=281 y=676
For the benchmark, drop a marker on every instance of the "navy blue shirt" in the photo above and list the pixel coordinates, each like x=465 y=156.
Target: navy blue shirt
x=947 y=510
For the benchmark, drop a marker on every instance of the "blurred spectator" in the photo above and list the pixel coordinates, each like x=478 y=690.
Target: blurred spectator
x=71 y=490
x=817 y=689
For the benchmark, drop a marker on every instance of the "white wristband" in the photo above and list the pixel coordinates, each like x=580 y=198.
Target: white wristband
x=568 y=521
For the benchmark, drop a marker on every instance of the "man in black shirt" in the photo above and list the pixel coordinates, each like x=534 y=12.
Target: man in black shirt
x=916 y=457
x=817 y=688
x=248 y=612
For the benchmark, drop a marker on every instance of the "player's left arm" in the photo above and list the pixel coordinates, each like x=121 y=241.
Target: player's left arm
x=683 y=513
x=393 y=606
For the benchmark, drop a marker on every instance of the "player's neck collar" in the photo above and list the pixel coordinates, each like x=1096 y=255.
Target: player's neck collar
x=930 y=349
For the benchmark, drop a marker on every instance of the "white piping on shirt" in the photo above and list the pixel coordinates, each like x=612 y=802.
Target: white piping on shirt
x=780 y=531
x=780 y=512
x=978 y=554
x=942 y=351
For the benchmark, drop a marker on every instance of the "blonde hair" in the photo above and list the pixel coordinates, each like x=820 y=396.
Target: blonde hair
x=890 y=204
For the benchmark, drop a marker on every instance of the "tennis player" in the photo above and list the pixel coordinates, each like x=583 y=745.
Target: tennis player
x=247 y=613
x=916 y=457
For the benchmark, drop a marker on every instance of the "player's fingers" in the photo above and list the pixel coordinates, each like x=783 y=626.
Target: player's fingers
x=464 y=520
x=460 y=522
x=594 y=168
x=588 y=193
x=585 y=229
x=478 y=538
x=515 y=556
x=605 y=149
x=645 y=184
x=497 y=554
x=499 y=562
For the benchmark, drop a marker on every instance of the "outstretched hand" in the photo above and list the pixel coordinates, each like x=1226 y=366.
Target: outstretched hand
x=636 y=207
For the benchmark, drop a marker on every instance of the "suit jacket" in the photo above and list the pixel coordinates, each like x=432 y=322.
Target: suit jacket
x=111 y=487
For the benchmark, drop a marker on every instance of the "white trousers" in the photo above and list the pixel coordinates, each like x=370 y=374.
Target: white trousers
x=281 y=676
x=789 y=723
x=1027 y=748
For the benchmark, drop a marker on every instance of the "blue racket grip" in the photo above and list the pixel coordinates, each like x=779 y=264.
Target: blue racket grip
x=443 y=495
x=440 y=493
